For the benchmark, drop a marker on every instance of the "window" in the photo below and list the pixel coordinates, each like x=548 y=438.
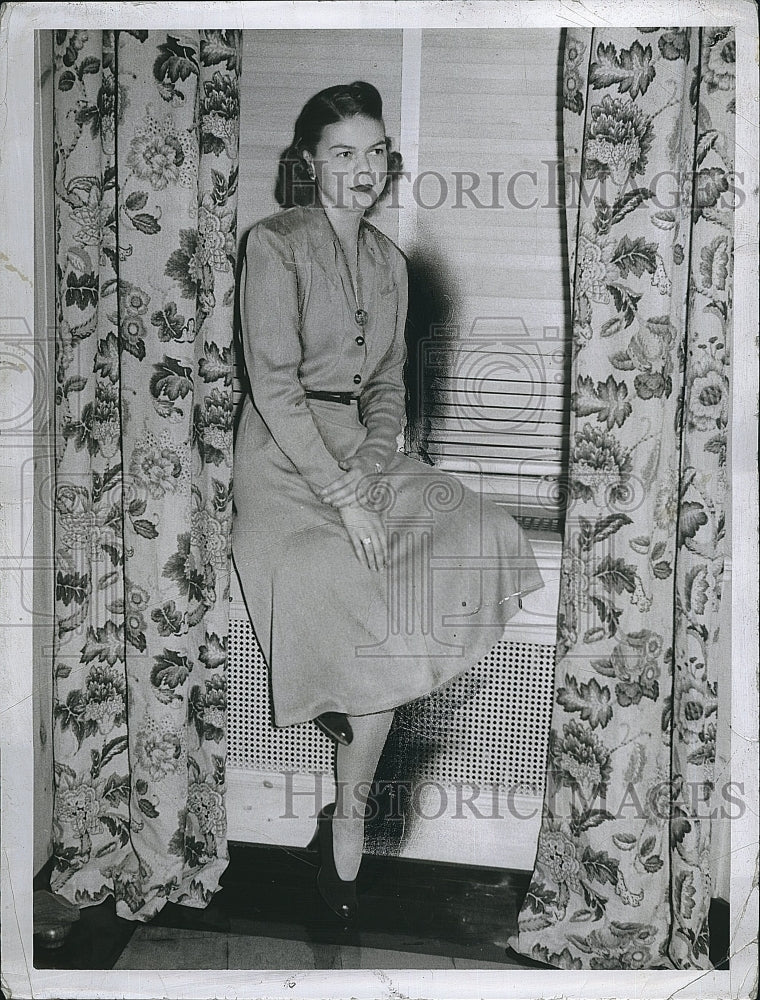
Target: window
x=488 y=255
x=476 y=114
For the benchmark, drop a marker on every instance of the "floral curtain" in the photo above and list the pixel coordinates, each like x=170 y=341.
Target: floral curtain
x=622 y=877
x=146 y=166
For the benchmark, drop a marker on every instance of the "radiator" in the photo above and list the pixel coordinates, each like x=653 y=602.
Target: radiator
x=461 y=777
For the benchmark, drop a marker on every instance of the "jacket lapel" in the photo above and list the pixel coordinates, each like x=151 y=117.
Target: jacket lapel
x=326 y=252
x=321 y=243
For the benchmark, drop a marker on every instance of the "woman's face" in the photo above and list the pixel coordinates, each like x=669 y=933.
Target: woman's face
x=351 y=163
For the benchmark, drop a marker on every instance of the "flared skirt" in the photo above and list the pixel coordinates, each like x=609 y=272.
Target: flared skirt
x=338 y=636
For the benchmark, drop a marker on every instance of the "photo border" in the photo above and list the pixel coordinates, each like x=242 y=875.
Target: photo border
x=17 y=26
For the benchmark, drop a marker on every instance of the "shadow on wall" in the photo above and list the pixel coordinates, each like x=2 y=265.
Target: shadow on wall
x=433 y=306
x=421 y=731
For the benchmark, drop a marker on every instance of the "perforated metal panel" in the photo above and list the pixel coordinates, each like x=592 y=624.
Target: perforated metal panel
x=488 y=726
x=253 y=740
x=491 y=725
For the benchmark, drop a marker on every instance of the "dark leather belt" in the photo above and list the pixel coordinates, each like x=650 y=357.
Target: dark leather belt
x=333 y=397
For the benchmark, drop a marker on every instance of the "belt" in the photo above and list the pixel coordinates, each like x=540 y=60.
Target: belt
x=333 y=397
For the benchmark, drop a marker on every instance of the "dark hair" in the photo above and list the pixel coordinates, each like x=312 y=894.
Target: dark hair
x=335 y=104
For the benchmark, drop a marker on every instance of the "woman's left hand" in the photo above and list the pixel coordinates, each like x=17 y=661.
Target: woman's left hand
x=346 y=490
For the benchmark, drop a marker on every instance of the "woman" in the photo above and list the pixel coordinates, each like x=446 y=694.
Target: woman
x=370 y=578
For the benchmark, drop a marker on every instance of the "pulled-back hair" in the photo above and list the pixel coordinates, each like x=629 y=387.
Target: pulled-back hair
x=334 y=104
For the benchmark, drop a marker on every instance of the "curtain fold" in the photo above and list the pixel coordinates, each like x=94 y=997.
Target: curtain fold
x=622 y=878
x=146 y=166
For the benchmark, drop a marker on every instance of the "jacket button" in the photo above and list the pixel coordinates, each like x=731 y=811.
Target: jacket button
x=357 y=379
x=360 y=341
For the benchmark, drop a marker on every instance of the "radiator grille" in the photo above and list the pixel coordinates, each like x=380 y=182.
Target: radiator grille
x=552 y=525
x=489 y=726
x=253 y=740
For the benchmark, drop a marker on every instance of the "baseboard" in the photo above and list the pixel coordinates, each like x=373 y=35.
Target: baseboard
x=450 y=823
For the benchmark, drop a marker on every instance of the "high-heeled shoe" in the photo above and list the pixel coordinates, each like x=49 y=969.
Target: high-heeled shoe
x=336 y=726
x=338 y=893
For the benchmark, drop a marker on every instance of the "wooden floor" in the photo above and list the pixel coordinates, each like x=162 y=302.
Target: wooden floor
x=268 y=915
x=413 y=915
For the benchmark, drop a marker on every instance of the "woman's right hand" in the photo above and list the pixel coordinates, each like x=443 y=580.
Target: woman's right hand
x=366 y=531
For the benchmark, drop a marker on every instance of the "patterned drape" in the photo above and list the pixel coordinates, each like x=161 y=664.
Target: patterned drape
x=622 y=875
x=146 y=166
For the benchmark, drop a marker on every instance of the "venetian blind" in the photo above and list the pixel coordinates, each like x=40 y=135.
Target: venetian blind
x=491 y=350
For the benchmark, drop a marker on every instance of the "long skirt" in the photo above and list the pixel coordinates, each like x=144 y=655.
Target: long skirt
x=340 y=637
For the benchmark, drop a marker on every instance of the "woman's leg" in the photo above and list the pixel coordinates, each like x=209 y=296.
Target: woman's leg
x=356 y=766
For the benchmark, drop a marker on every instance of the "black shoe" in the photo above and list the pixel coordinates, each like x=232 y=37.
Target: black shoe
x=336 y=726
x=338 y=893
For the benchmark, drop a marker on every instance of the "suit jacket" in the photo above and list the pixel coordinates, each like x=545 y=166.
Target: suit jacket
x=299 y=332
